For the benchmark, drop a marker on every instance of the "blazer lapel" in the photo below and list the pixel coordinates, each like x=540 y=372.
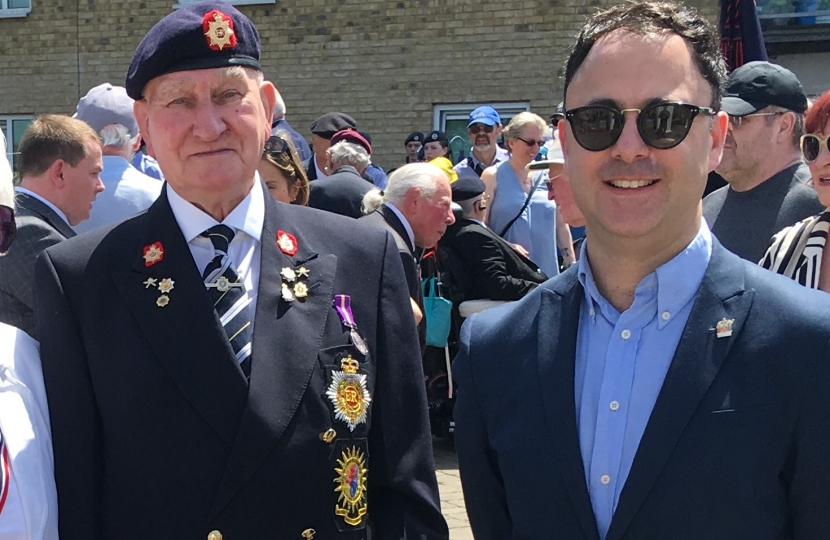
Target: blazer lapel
x=695 y=365
x=287 y=338
x=45 y=213
x=394 y=221
x=556 y=336
x=185 y=334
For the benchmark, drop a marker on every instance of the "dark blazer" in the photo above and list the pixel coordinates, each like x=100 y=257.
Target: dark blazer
x=156 y=430
x=310 y=169
x=341 y=193
x=38 y=227
x=492 y=268
x=734 y=449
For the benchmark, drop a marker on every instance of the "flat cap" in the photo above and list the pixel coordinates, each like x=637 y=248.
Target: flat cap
x=330 y=123
x=466 y=188
x=415 y=136
x=105 y=105
x=198 y=36
x=352 y=136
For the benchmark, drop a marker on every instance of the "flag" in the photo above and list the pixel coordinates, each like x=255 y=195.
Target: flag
x=741 y=37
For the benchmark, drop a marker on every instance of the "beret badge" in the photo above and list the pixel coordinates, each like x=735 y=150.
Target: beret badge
x=218 y=28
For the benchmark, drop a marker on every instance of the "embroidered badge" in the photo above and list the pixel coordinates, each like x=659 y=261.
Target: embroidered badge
x=349 y=394
x=287 y=243
x=218 y=29
x=724 y=327
x=351 y=485
x=153 y=254
x=5 y=471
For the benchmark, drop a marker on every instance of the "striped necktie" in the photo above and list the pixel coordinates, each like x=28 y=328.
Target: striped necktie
x=232 y=303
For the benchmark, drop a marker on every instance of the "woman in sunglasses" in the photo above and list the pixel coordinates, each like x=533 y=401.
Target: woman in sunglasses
x=28 y=499
x=798 y=251
x=282 y=171
x=520 y=211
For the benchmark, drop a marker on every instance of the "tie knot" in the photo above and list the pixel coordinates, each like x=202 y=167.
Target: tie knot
x=220 y=236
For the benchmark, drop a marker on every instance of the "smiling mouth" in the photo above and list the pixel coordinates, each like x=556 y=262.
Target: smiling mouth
x=824 y=180
x=630 y=184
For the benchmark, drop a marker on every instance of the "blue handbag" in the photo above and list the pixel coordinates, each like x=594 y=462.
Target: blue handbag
x=438 y=314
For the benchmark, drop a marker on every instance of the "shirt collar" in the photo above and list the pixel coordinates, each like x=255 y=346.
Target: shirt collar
x=500 y=155
x=320 y=173
x=248 y=216
x=406 y=224
x=676 y=282
x=44 y=201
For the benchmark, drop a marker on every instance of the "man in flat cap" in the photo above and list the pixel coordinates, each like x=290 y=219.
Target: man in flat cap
x=342 y=192
x=322 y=130
x=223 y=365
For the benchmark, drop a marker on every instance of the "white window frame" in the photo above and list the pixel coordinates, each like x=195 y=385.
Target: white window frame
x=6 y=13
x=8 y=132
x=182 y=3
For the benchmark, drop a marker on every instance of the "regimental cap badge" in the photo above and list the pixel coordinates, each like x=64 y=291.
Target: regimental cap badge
x=287 y=243
x=724 y=327
x=153 y=253
x=218 y=28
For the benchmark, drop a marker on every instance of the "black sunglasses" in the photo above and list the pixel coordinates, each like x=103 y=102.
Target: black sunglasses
x=475 y=129
x=276 y=146
x=661 y=125
x=8 y=228
x=811 y=146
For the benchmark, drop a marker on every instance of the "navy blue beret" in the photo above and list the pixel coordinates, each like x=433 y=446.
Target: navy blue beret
x=466 y=188
x=436 y=135
x=197 y=36
x=415 y=136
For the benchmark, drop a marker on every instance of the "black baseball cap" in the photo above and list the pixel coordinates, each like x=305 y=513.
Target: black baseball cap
x=757 y=85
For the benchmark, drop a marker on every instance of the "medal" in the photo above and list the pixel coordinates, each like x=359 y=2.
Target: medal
x=358 y=342
x=343 y=305
x=349 y=394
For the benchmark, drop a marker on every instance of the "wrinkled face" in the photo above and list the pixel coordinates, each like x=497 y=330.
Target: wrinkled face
x=631 y=189
x=820 y=168
x=207 y=127
x=747 y=140
x=412 y=150
x=483 y=141
x=433 y=149
x=560 y=192
x=282 y=188
x=431 y=217
x=82 y=184
x=519 y=148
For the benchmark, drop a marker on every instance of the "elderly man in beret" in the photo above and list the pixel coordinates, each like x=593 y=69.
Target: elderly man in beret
x=224 y=365
x=342 y=192
x=322 y=130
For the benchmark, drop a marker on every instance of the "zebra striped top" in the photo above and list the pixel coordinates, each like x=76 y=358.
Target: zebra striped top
x=795 y=252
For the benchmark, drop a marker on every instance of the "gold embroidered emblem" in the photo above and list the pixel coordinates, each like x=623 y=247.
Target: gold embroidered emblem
x=351 y=484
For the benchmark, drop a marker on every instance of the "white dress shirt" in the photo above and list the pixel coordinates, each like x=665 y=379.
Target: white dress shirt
x=57 y=210
x=406 y=224
x=320 y=173
x=247 y=220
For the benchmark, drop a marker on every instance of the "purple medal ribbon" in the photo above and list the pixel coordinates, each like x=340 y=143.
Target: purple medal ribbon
x=343 y=305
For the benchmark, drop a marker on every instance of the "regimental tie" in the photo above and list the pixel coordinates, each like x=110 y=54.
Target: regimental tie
x=232 y=303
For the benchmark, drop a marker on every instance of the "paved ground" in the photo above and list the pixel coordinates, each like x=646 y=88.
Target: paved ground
x=449 y=484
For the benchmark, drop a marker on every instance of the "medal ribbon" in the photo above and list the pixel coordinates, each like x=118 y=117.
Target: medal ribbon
x=343 y=305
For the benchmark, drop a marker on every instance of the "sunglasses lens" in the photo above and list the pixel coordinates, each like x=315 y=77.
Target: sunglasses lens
x=596 y=128
x=8 y=228
x=275 y=145
x=478 y=128
x=665 y=125
x=810 y=147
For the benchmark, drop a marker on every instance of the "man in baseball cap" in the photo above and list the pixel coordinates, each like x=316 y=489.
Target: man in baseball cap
x=769 y=183
x=201 y=383
x=484 y=129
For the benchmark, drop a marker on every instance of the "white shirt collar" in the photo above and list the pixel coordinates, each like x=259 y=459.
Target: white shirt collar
x=44 y=201
x=405 y=223
x=248 y=216
x=320 y=174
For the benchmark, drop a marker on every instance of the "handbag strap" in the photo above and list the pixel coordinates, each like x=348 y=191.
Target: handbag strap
x=524 y=206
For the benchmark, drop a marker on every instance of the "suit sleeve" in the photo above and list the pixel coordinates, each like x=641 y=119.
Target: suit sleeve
x=481 y=482
x=403 y=492
x=484 y=258
x=31 y=241
x=73 y=412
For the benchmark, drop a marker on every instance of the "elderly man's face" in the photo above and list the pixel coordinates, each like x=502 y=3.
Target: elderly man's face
x=631 y=189
x=429 y=218
x=560 y=191
x=207 y=127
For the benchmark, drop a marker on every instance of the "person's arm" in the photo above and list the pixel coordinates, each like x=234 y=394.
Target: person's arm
x=403 y=490
x=488 y=176
x=564 y=240
x=486 y=261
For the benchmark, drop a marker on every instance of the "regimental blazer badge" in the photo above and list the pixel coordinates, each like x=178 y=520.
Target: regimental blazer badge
x=351 y=478
x=349 y=394
x=5 y=471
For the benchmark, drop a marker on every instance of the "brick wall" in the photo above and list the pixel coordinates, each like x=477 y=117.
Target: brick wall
x=388 y=63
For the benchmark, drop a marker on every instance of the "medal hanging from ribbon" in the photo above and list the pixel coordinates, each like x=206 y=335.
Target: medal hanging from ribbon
x=343 y=305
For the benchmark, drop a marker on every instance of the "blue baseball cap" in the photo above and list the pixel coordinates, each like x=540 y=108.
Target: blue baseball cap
x=484 y=115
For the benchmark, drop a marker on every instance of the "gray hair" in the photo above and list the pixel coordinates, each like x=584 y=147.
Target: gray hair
x=468 y=206
x=346 y=153
x=6 y=176
x=421 y=176
x=116 y=135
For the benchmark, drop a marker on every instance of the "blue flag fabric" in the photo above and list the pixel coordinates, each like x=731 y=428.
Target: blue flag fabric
x=741 y=37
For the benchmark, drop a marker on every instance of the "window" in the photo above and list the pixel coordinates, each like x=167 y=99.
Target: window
x=15 y=8
x=181 y=3
x=777 y=13
x=452 y=120
x=13 y=128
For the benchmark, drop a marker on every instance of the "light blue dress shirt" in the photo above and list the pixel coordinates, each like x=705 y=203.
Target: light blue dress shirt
x=621 y=362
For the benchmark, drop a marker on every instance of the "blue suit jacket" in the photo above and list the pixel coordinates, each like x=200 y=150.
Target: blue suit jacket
x=736 y=447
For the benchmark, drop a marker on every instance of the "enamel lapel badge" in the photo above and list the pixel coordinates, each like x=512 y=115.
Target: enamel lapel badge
x=724 y=327
x=153 y=253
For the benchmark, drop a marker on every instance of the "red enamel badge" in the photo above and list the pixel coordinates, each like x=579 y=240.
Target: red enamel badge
x=153 y=253
x=286 y=242
x=218 y=28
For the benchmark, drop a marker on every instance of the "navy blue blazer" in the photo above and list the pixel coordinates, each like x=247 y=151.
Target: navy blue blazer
x=735 y=449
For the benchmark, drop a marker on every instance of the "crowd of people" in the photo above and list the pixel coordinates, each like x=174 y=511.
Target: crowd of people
x=211 y=328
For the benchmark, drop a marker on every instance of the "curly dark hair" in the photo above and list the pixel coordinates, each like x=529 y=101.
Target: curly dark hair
x=648 y=19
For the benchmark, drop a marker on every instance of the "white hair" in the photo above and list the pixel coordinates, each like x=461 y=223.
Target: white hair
x=6 y=176
x=279 y=107
x=347 y=153
x=421 y=176
x=116 y=135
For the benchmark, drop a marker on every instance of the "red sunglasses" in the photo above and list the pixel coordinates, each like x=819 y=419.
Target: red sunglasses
x=8 y=228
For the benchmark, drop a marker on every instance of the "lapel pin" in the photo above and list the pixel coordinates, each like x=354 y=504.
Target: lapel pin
x=153 y=254
x=287 y=293
x=151 y=282
x=303 y=272
x=287 y=243
x=163 y=300
x=724 y=328
x=166 y=285
x=288 y=274
x=300 y=290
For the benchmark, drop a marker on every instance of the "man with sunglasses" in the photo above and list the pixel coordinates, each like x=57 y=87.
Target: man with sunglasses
x=484 y=128
x=662 y=388
x=224 y=365
x=768 y=182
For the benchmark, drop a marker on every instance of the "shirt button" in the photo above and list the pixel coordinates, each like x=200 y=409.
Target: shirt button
x=625 y=334
x=666 y=315
x=614 y=405
x=605 y=479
